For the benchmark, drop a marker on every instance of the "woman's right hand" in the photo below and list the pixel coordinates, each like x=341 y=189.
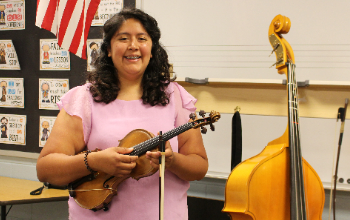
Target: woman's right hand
x=112 y=161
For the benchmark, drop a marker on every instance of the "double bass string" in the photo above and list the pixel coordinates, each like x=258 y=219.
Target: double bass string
x=297 y=181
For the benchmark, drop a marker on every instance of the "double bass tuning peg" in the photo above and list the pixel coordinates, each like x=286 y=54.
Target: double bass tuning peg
x=274 y=48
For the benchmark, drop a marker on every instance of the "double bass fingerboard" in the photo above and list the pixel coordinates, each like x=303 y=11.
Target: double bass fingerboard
x=298 y=204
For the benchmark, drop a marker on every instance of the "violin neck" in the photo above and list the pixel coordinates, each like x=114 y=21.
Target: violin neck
x=152 y=143
x=298 y=205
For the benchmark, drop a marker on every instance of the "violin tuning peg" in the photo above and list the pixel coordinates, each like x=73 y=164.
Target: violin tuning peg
x=202 y=113
x=212 y=127
x=203 y=130
x=193 y=116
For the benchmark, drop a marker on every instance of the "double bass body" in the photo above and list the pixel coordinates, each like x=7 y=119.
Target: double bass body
x=269 y=186
x=259 y=187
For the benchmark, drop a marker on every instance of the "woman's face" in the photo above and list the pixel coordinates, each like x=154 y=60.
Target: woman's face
x=131 y=50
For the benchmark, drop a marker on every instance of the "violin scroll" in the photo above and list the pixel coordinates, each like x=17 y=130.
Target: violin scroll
x=213 y=117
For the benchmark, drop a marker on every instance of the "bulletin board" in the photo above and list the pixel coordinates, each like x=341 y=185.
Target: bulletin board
x=27 y=46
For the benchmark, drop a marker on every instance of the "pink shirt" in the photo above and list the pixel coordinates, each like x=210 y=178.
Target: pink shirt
x=105 y=124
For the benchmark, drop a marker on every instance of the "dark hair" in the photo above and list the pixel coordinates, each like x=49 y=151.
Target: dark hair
x=5 y=119
x=156 y=78
x=92 y=44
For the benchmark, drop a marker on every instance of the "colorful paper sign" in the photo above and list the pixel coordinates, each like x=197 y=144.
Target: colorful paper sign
x=46 y=124
x=12 y=92
x=51 y=91
x=12 y=15
x=93 y=51
x=52 y=56
x=8 y=56
x=106 y=10
x=13 y=129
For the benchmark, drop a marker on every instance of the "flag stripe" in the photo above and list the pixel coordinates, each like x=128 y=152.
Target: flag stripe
x=50 y=15
x=77 y=35
x=54 y=27
x=82 y=43
x=70 y=20
x=89 y=17
x=39 y=13
x=60 y=9
x=67 y=19
x=80 y=38
x=68 y=36
x=42 y=7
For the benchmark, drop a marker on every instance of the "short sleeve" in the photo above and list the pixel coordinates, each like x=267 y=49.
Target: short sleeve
x=184 y=104
x=77 y=102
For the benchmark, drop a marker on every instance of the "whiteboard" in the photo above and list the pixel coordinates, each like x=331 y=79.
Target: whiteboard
x=318 y=139
x=229 y=38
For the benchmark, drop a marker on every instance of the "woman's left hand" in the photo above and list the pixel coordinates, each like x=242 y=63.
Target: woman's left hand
x=154 y=156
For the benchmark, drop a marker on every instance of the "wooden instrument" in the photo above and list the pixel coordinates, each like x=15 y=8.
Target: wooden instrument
x=278 y=183
x=96 y=191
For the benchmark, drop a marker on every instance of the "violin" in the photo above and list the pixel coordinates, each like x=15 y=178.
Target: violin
x=278 y=183
x=96 y=190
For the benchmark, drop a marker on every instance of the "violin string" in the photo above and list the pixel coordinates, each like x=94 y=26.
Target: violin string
x=153 y=142
x=87 y=190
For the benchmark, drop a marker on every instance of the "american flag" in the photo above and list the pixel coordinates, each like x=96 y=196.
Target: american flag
x=69 y=20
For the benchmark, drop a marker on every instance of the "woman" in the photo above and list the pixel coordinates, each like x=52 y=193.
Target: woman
x=130 y=89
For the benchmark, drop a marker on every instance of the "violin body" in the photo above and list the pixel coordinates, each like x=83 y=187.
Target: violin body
x=259 y=187
x=104 y=185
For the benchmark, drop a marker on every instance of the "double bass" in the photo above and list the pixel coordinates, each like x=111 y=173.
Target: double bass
x=278 y=183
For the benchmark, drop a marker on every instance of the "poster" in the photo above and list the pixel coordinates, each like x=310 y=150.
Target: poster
x=52 y=56
x=8 y=56
x=51 y=91
x=12 y=15
x=13 y=129
x=106 y=9
x=46 y=124
x=12 y=92
x=93 y=51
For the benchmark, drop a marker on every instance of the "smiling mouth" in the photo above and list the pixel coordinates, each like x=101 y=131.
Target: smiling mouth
x=132 y=57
